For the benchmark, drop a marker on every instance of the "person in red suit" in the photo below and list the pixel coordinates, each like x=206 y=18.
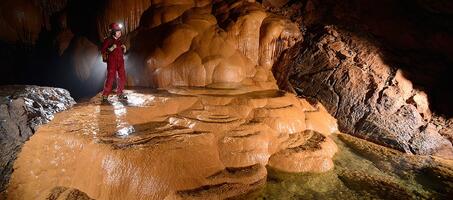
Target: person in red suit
x=112 y=51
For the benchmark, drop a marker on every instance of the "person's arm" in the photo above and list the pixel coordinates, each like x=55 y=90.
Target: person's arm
x=105 y=46
x=124 y=48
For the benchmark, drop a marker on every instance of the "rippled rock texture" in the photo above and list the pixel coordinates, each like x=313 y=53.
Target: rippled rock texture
x=22 y=110
x=369 y=97
x=173 y=145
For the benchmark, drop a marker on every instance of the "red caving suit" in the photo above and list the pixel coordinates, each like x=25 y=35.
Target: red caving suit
x=115 y=63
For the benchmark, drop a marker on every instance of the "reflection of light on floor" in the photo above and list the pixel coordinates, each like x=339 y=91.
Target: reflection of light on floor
x=123 y=127
x=119 y=109
x=125 y=131
x=135 y=99
x=95 y=123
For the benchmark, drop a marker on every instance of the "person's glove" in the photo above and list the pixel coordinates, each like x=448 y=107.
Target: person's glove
x=124 y=48
x=113 y=47
x=105 y=56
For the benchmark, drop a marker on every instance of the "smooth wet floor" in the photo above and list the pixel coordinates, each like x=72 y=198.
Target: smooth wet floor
x=184 y=143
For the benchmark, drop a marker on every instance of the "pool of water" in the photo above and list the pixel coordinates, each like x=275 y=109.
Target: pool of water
x=364 y=170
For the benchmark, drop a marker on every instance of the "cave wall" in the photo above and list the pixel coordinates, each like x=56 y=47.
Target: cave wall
x=381 y=67
x=416 y=36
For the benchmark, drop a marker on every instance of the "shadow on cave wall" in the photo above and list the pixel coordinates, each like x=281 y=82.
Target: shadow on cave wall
x=41 y=63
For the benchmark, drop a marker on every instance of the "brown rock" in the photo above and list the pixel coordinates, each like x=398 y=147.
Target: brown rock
x=63 y=193
x=416 y=33
x=369 y=98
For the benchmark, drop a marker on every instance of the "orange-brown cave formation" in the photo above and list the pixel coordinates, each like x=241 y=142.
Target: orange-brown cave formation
x=236 y=99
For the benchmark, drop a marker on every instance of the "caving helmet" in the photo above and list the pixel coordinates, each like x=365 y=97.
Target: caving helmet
x=115 y=27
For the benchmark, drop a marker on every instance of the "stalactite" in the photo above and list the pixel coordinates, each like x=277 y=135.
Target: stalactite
x=126 y=12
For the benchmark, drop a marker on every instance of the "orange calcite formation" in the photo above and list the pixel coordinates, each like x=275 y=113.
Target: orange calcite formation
x=192 y=50
x=161 y=145
x=208 y=134
x=165 y=11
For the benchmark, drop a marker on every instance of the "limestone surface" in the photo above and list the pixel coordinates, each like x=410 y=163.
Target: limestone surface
x=162 y=145
x=209 y=132
x=209 y=44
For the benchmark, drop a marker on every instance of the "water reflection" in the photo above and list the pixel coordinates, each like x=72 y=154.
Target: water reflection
x=116 y=112
x=365 y=171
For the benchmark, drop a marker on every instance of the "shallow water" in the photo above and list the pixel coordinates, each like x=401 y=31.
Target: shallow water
x=365 y=171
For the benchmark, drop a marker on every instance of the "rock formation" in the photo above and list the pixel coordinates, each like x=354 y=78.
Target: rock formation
x=365 y=170
x=164 y=145
x=209 y=132
x=22 y=110
x=217 y=118
x=412 y=39
x=206 y=55
x=63 y=193
x=370 y=98
x=126 y=12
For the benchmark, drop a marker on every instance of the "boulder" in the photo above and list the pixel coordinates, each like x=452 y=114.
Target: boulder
x=22 y=110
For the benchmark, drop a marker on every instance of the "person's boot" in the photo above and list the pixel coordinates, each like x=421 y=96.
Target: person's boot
x=122 y=97
x=104 y=99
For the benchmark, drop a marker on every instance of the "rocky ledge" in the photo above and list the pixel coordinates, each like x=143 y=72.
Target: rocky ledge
x=183 y=144
x=22 y=110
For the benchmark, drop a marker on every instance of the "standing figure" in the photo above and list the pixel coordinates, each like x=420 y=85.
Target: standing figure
x=113 y=54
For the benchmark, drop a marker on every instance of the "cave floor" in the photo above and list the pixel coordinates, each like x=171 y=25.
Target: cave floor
x=192 y=143
x=179 y=143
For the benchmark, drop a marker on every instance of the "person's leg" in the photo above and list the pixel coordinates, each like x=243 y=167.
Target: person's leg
x=122 y=78
x=111 y=73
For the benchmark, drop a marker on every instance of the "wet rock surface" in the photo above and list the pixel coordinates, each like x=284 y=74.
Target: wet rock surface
x=63 y=193
x=219 y=120
x=174 y=145
x=22 y=110
x=364 y=170
x=369 y=97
